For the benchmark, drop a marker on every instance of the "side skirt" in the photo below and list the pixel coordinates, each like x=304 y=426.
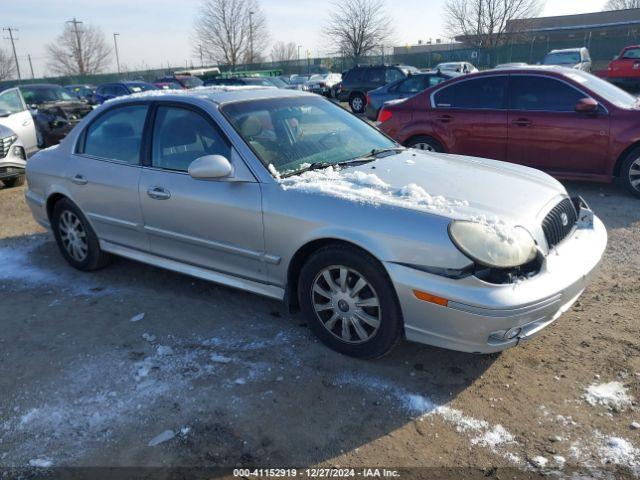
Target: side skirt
x=270 y=291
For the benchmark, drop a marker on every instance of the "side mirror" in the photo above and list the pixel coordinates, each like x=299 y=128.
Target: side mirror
x=587 y=105
x=210 y=166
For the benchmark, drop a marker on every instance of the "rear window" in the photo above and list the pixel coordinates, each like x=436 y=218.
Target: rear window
x=632 y=53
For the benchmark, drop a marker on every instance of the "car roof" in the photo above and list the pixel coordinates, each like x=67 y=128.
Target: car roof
x=40 y=85
x=218 y=94
x=568 y=50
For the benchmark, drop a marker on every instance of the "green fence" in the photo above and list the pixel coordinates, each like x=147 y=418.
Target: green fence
x=530 y=50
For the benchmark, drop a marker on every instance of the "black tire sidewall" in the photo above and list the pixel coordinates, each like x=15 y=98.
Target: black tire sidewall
x=14 y=182
x=391 y=327
x=353 y=97
x=624 y=171
x=95 y=257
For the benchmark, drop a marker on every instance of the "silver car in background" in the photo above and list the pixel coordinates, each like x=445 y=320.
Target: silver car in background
x=287 y=195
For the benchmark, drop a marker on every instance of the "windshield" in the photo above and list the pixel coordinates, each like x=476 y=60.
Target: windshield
x=289 y=134
x=278 y=82
x=35 y=95
x=606 y=90
x=191 y=82
x=562 y=58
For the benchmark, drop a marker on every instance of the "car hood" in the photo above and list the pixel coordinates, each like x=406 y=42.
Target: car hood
x=5 y=131
x=455 y=186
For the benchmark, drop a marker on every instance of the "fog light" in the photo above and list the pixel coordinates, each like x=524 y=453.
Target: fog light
x=19 y=152
x=512 y=333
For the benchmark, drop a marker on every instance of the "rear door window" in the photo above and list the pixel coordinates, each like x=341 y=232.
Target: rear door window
x=632 y=53
x=375 y=76
x=117 y=134
x=487 y=93
x=536 y=93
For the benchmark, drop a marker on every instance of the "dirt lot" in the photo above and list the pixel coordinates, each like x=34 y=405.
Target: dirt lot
x=232 y=379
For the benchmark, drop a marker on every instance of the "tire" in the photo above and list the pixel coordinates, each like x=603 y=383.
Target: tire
x=362 y=331
x=357 y=102
x=14 y=182
x=66 y=231
x=630 y=172
x=424 y=143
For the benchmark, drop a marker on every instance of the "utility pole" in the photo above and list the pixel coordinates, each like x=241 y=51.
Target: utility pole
x=79 y=58
x=31 y=66
x=201 y=56
x=115 y=43
x=251 y=36
x=13 y=45
x=299 y=67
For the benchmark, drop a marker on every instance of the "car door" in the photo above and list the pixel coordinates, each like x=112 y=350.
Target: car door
x=213 y=224
x=105 y=171
x=546 y=132
x=15 y=115
x=470 y=116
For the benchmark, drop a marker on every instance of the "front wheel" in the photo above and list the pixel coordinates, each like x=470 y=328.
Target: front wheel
x=427 y=144
x=357 y=103
x=350 y=302
x=75 y=237
x=630 y=172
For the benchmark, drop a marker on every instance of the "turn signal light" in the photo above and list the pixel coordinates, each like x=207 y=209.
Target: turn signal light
x=427 y=297
x=384 y=115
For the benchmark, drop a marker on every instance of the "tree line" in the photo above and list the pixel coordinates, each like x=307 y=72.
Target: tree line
x=235 y=32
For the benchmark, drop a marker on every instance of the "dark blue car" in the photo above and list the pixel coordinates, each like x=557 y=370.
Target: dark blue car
x=107 y=91
x=404 y=88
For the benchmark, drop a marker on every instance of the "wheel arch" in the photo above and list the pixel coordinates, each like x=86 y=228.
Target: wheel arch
x=52 y=200
x=622 y=157
x=429 y=136
x=305 y=252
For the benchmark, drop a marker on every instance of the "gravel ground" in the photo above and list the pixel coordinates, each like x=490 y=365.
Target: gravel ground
x=136 y=366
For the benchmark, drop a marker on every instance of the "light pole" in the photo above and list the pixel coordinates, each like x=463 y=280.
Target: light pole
x=13 y=45
x=251 y=12
x=201 y=56
x=299 y=68
x=79 y=59
x=115 y=43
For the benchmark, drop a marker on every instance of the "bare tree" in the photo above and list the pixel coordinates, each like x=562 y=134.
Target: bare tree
x=231 y=31
x=284 y=52
x=79 y=50
x=7 y=65
x=621 y=4
x=358 y=27
x=483 y=23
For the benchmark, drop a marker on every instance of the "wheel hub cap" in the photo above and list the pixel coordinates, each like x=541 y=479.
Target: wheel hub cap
x=634 y=174
x=346 y=304
x=73 y=236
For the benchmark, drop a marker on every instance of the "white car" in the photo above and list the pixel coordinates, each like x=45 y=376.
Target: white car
x=456 y=67
x=15 y=115
x=13 y=158
x=323 y=83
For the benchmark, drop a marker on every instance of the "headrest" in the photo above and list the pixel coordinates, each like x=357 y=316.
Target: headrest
x=251 y=127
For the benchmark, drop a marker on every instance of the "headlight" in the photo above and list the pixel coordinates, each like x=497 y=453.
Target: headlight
x=493 y=247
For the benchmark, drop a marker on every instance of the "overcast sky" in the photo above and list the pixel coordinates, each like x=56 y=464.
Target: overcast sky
x=154 y=32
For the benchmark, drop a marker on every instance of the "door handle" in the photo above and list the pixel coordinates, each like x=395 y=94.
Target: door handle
x=159 y=193
x=79 y=179
x=522 y=122
x=445 y=118
x=26 y=123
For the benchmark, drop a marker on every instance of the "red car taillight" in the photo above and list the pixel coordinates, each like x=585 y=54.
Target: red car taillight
x=384 y=115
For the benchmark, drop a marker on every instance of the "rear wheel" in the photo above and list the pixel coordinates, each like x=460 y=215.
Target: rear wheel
x=75 y=237
x=14 y=182
x=350 y=302
x=427 y=144
x=630 y=172
x=357 y=102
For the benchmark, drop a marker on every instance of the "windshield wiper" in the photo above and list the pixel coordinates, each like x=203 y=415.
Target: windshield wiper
x=372 y=155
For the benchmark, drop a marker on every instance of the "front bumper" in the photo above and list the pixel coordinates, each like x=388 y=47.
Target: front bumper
x=479 y=313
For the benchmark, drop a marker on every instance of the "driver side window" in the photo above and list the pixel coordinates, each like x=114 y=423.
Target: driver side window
x=180 y=136
x=10 y=102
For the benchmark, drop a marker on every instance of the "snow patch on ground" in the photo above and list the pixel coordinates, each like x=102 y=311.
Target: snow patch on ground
x=619 y=451
x=612 y=395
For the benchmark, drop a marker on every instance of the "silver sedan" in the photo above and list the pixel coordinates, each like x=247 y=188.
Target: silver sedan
x=287 y=195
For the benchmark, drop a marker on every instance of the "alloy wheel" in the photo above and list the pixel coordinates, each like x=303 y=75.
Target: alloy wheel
x=634 y=174
x=346 y=304
x=357 y=104
x=424 y=146
x=73 y=236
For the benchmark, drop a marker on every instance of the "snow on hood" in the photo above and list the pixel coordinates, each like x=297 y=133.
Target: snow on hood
x=495 y=194
x=201 y=91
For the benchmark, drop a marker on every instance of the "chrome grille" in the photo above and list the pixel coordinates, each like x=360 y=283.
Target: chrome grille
x=559 y=222
x=5 y=145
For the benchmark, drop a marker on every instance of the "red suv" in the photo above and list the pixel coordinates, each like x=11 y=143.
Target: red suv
x=625 y=69
x=568 y=123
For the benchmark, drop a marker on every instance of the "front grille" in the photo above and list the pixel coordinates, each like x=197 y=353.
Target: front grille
x=5 y=145
x=559 y=222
